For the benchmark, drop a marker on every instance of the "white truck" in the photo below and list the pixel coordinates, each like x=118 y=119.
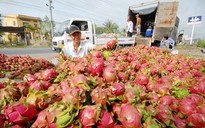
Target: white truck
x=162 y=16
x=88 y=33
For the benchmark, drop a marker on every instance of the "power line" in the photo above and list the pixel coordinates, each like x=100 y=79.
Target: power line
x=88 y=12
x=20 y=4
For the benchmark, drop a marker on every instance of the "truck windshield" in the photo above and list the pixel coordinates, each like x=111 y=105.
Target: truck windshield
x=60 y=28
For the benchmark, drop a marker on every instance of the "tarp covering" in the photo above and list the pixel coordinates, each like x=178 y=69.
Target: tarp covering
x=12 y=29
x=144 y=9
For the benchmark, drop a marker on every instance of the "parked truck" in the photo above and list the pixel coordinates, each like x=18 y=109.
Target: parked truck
x=88 y=33
x=162 y=16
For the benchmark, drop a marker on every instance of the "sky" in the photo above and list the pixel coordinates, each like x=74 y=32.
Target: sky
x=102 y=10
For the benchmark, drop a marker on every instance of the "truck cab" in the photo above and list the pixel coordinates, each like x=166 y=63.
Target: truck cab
x=61 y=36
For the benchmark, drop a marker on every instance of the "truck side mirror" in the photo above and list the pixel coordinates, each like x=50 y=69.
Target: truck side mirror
x=67 y=30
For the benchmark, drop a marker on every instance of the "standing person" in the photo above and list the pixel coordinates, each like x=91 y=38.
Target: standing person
x=164 y=42
x=79 y=48
x=129 y=27
x=138 y=24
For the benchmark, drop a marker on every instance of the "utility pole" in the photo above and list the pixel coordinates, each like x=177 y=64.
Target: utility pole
x=51 y=16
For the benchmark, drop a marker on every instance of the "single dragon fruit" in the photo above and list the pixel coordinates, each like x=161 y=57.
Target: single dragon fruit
x=89 y=115
x=9 y=94
x=99 y=96
x=19 y=112
x=129 y=116
x=40 y=99
x=106 y=120
x=76 y=96
x=57 y=115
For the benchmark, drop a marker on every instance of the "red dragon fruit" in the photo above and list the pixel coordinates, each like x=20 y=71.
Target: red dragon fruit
x=130 y=117
x=198 y=100
x=2 y=85
x=105 y=120
x=117 y=89
x=40 y=85
x=40 y=99
x=96 y=54
x=141 y=79
x=1 y=121
x=118 y=126
x=109 y=74
x=80 y=81
x=175 y=105
x=79 y=67
x=202 y=110
x=48 y=74
x=55 y=89
x=57 y=115
x=165 y=114
x=179 y=123
x=20 y=112
x=122 y=76
x=17 y=126
x=187 y=106
x=30 y=79
x=166 y=100
x=8 y=94
x=131 y=94
x=41 y=119
x=116 y=108
x=111 y=44
x=75 y=96
x=151 y=85
x=196 y=120
x=97 y=67
x=89 y=115
x=135 y=64
x=99 y=96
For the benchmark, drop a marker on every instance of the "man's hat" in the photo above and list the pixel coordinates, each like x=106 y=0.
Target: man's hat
x=73 y=29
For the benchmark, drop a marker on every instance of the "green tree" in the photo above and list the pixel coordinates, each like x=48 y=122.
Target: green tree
x=100 y=30
x=30 y=27
x=0 y=20
x=1 y=33
x=45 y=25
x=111 y=27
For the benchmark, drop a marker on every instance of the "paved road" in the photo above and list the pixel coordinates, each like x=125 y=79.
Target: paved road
x=45 y=53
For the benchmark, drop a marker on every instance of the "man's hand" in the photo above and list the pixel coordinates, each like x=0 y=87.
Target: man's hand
x=108 y=46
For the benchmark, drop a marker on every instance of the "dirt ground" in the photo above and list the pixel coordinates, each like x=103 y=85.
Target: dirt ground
x=190 y=50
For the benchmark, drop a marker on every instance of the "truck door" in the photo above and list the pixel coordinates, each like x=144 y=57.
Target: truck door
x=86 y=30
x=165 y=19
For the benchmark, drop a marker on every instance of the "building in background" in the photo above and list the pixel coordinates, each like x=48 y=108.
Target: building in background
x=32 y=25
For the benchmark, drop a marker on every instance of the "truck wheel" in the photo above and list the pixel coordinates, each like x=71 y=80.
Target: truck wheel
x=58 y=50
x=53 y=48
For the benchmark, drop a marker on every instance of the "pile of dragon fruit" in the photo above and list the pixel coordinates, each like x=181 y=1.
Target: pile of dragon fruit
x=136 y=87
x=18 y=66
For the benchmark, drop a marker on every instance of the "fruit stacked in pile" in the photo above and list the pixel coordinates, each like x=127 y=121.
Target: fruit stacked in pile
x=126 y=88
x=18 y=66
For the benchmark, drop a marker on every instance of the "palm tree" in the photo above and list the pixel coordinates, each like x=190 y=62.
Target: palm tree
x=110 y=26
